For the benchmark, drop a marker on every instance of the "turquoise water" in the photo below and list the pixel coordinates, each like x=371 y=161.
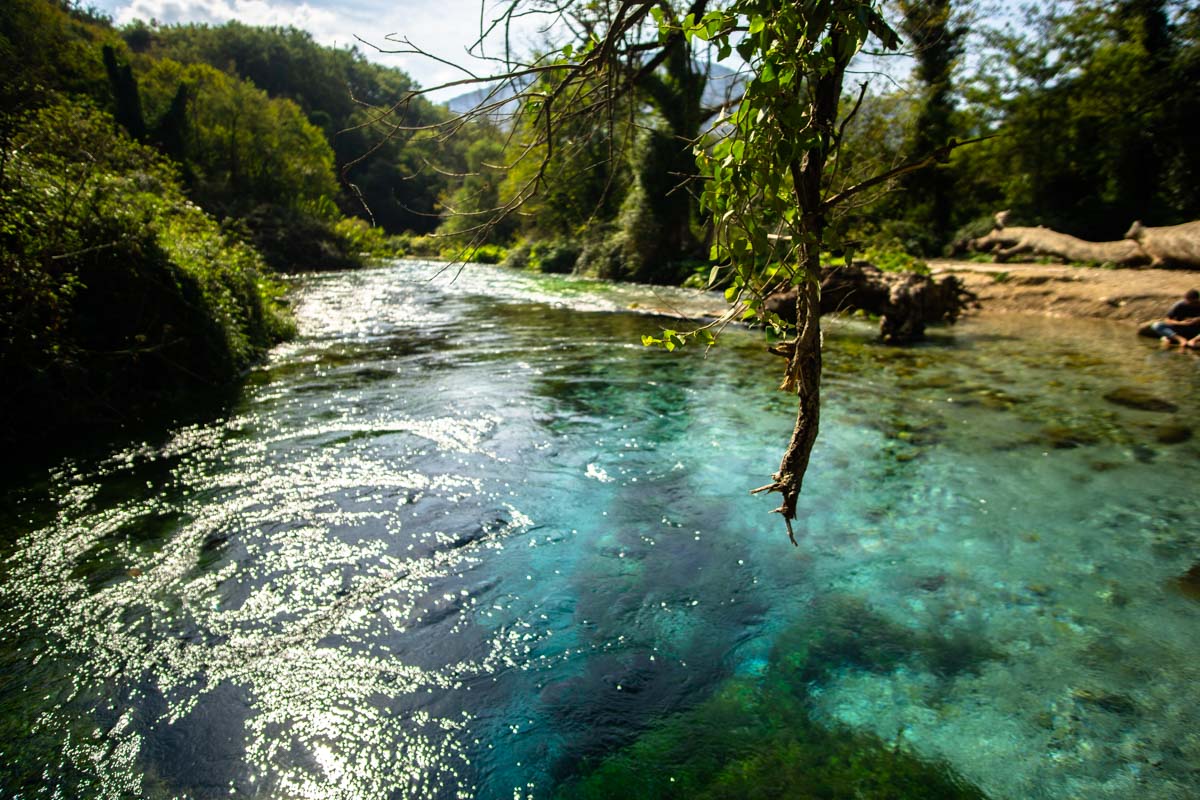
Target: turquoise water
x=468 y=539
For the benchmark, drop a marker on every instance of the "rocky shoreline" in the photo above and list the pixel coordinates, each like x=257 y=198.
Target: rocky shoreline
x=1127 y=295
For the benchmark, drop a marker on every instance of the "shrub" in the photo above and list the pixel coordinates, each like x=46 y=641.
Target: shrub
x=485 y=254
x=555 y=256
x=116 y=293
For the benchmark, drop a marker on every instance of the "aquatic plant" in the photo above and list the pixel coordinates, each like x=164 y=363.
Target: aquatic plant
x=756 y=738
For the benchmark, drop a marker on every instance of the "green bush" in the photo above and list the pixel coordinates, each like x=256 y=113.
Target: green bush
x=518 y=256
x=116 y=293
x=894 y=259
x=291 y=240
x=364 y=239
x=485 y=254
x=421 y=246
x=555 y=256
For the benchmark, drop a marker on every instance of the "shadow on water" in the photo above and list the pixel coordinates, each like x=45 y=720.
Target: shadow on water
x=92 y=441
x=462 y=542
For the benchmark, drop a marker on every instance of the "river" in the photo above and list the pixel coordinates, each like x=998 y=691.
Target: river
x=466 y=537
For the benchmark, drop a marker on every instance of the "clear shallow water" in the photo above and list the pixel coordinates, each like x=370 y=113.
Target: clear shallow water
x=462 y=540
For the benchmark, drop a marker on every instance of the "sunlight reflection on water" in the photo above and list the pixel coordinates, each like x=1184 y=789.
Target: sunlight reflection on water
x=457 y=537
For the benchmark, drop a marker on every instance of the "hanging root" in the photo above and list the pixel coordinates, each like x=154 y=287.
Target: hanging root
x=803 y=376
x=789 y=513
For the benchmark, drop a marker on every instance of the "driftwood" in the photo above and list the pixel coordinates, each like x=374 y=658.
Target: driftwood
x=1174 y=244
x=905 y=302
x=1005 y=242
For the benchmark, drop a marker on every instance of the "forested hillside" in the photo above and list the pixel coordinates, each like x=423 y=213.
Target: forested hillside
x=1091 y=108
x=150 y=182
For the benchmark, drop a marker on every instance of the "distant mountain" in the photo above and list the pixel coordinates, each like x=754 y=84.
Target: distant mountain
x=484 y=94
x=723 y=84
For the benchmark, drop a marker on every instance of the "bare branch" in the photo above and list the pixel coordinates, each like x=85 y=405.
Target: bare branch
x=938 y=156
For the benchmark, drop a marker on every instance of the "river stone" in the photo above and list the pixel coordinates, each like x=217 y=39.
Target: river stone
x=1140 y=399
x=1063 y=437
x=1188 y=584
x=1172 y=434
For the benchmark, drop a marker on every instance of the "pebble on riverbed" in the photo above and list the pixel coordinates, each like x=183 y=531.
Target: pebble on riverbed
x=1188 y=584
x=1139 y=399
x=1172 y=434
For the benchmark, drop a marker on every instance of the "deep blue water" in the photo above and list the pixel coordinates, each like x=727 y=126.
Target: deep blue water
x=463 y=537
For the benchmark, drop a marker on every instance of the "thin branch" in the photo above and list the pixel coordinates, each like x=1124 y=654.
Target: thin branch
x=939 y=156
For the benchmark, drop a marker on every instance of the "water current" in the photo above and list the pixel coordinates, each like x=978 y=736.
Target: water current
x=470 y=539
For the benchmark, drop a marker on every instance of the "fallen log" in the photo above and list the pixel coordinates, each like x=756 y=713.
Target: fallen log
x=905 y=301
x=1173 y=244
x=1004 y=243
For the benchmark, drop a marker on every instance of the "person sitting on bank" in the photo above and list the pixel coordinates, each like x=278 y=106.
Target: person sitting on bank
x=1182 y=325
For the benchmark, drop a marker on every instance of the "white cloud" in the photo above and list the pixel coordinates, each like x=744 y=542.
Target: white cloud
x=444 y=28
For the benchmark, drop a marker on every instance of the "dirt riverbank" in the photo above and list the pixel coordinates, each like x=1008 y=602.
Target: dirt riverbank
x=1133 y=295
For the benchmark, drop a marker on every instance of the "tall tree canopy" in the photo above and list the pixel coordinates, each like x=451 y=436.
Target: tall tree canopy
x=763 y=166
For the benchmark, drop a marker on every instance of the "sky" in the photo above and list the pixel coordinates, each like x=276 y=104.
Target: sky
x=442 y=27
x=445 y=28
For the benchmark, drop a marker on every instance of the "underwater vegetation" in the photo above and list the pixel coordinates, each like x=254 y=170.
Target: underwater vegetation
x=756 y=737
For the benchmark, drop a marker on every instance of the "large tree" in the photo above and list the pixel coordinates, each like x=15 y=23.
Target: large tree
x=762 y=166
x=1097 y=106
x=935 y=33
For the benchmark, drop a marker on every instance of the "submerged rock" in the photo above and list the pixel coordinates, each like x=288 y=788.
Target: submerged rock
x=1139 y=399
x=1188 y=584
x=1063 y=437
x=1113 y=702
x=1172 y=434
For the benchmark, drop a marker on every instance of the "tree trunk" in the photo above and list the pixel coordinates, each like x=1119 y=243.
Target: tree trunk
x=803 y=375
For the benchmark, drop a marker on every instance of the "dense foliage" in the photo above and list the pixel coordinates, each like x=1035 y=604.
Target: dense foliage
x=1092 y=106
x=342 y=94
x=311 y=155
x=143 y=199
x=116 y=292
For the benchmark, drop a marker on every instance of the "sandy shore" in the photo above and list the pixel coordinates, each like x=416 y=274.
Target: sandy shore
x=1133 y=295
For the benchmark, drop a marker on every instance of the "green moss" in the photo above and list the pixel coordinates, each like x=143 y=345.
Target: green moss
x=755 y=738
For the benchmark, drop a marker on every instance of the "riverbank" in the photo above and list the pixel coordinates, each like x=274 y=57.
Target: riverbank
x=469 y=529
x=1133 y=295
